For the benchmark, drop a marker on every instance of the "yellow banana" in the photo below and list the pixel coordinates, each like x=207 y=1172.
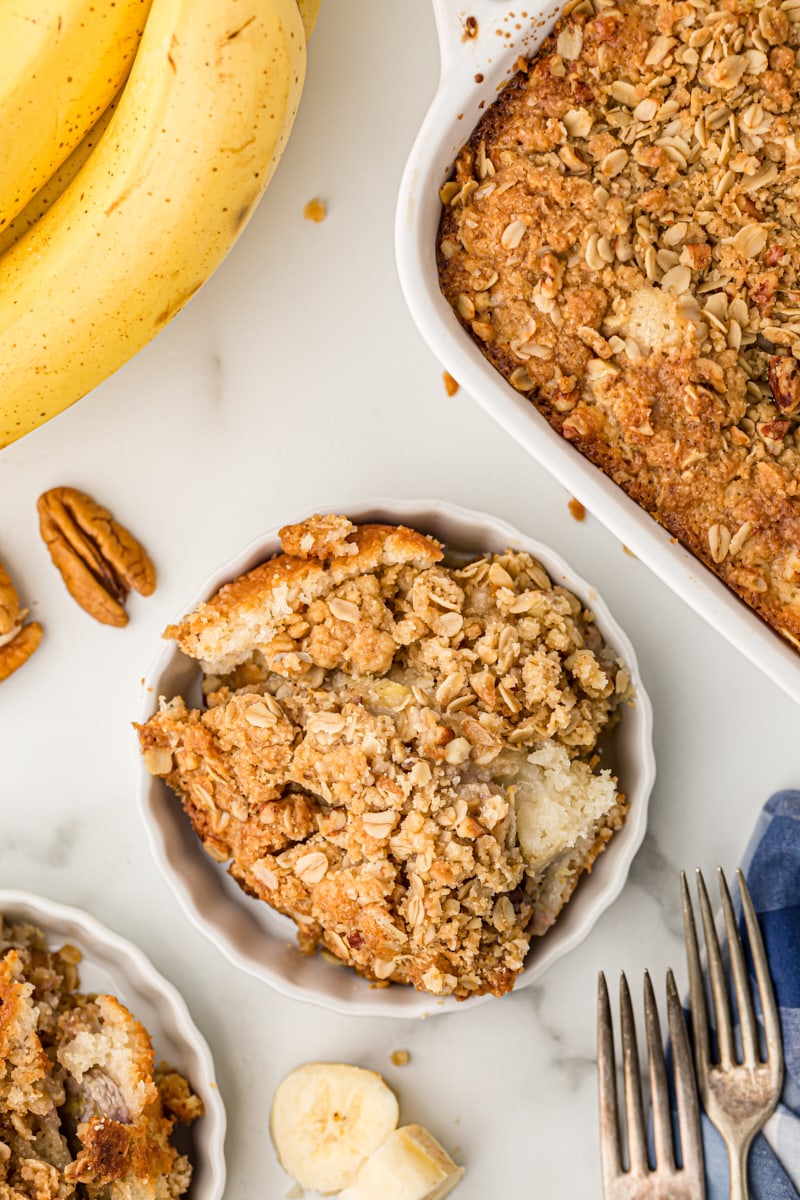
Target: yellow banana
x=58 y=182
x=61 y=63
x=47 y=195
x=187 y=155
x=309 y=11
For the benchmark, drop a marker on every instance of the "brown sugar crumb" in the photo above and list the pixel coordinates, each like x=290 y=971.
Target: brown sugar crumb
x=628 y=551
x=316 y=210
x=382 y=738
x=400 y=1058
x=577 y=509
x=450 y=384
x=619 y=238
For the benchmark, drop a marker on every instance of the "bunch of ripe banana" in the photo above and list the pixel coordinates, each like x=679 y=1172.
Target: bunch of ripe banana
x=138 y=137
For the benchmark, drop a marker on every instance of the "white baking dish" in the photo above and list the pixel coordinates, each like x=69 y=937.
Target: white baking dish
x=262 y=942
x=473 y=68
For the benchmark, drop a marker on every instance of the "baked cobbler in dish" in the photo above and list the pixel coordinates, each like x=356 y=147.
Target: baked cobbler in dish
x=620 y=238
x=397 y=751
x=84 y=1112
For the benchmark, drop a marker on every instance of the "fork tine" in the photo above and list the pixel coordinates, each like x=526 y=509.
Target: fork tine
x=716 y=973
x=659 y=1094
x=634 y=1106
x=741 y=982
x=610 y=1156
x=769 y=1007
x=685 y=1091
x=697 y=991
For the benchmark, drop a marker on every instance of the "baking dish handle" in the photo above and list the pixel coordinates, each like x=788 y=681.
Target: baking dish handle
x=464 y=29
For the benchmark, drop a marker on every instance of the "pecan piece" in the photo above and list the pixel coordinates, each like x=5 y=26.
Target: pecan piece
x=17 y=640
x=99 y=560
x=764 y=291
x=15 y=653
x=9 y=603
x=783 y=373
x=773 y=433
x=696 y=255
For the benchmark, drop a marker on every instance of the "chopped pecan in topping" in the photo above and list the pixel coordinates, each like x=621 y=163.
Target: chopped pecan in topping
x=784 y=381
x=773 y=431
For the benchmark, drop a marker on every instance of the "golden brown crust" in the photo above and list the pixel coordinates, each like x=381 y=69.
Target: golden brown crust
x=113 y=1152
x=104 y=1153
x=321 y=537
x=619 y=238
x=265 y=592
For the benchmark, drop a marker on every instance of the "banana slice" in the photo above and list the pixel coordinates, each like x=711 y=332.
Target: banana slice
x=410 y=1165
x=558 y=801
x=326 y=1119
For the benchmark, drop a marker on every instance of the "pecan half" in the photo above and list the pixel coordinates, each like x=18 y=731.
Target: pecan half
x=16 y=652
x=99 y=560
x=783 y=373
x=9 y=603
x=17 y=640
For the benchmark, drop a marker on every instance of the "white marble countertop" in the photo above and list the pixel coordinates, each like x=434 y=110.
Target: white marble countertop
x=296 y=379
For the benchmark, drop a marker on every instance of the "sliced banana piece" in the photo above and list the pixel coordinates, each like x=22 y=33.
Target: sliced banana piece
x=410 y=1165
x=326 y=1119
x=558 y=801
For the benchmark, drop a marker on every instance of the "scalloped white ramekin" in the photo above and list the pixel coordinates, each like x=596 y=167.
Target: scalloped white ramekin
x=474 y=68
x=116 y=967
x=262 y=942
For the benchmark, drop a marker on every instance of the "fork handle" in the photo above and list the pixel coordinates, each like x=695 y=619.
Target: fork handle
x=737 y=1157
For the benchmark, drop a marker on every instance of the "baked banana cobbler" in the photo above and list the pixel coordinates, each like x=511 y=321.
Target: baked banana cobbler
x=399 y=754
x=82 y=1111
x=620 y=237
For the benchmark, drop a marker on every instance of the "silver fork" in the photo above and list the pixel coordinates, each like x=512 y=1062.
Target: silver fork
x=738 y=1092
x=666 y=1180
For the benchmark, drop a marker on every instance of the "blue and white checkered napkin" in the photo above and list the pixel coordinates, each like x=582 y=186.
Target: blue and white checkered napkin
x=772 y=868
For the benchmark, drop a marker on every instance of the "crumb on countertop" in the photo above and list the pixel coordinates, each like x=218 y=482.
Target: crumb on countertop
x=316 y=210
x=450 y=384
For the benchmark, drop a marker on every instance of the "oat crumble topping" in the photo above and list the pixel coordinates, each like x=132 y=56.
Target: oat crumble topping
x=400 y=754
x=620 y=237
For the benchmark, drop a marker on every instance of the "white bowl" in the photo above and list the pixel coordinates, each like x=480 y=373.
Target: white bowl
x=473 y=69
x=262 y=942
x=116 y=967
